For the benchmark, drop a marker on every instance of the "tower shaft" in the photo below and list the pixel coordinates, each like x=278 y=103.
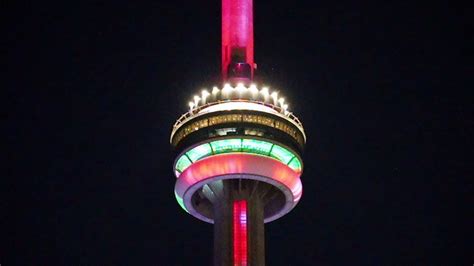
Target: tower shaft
x=232 y=245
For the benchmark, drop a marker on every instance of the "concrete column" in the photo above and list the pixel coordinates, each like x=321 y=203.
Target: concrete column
x=256 y=231
x=223 y=227
x=230 y=191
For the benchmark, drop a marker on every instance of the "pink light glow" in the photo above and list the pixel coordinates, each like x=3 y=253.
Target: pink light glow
x=240 y=163
x=240 y=232
x=237 y=31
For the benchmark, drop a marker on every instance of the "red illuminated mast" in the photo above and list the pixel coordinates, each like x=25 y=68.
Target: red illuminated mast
x=237 y=41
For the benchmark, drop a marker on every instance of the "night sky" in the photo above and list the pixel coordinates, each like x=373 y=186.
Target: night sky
x=92 y=90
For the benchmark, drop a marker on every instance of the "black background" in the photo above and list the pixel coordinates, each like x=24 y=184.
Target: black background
x=92 y=90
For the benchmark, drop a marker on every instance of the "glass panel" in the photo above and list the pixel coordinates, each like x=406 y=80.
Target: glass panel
x=226 y=131
x=295 y=164
x=281 y=154
x=251 y=146
x=199 y=152
x=183 y=163
x=180 y=201
x=226 y=145
x=256 y=146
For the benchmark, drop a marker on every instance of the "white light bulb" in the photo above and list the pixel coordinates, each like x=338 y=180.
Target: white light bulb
x=196 y=100
x=241 y=88
x=274 y=96
x=204 y=95
x=253 y=90
x=226 y=90
x=281 y=101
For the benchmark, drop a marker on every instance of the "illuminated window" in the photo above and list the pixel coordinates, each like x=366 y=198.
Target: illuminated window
x=282 y=154
x=256 y=146
x=226 y=145
x=199 y=152
x=203 y=123
x=253 y=132
x=232 y=118
x=251 y=146
x=295 y=164
x=226 y=131
x=183 y=163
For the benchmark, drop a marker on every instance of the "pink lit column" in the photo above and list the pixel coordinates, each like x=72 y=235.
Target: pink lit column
x=240 y=241
x=237 y=33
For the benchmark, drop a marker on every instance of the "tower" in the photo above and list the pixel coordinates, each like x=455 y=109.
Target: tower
x=238 y=162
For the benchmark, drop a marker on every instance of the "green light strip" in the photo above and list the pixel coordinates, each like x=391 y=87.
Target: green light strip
x=252 y=146
x=295 y=164
x=183 y=163
x=282 y=154
x=180 y=201
x=226 y=145
x=199 y=152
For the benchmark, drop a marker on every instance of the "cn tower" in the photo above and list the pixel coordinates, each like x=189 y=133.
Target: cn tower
x=238 y=150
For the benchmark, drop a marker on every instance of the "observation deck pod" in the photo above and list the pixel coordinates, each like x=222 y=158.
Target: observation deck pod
x=238 y=142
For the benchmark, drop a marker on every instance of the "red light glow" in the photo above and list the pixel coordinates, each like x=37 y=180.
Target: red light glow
x=240 y=232
x=237 y=32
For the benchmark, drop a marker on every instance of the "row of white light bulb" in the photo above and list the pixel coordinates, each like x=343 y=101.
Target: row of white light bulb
x=227 y=91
